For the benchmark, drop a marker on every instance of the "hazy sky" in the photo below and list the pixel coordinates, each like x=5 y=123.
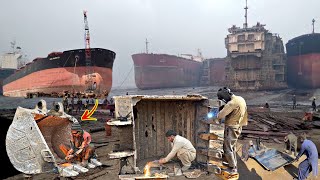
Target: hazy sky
x=171 y=26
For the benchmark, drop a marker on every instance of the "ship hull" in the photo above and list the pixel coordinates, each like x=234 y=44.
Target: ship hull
x=303 y=61
x=63 y=72
x=58 y=80
x=154 y=71
x=4 y=73
x=304 y=70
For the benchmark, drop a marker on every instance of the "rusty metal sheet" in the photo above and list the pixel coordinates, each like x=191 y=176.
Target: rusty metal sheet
x=271 y=159
x=117 y=155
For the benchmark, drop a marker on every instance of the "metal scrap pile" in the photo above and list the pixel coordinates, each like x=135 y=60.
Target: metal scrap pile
x=269 y=125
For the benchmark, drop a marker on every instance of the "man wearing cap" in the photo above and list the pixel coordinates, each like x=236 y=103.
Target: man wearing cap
x=311 y=163
x=235 y=114
x=181 y=147
x=81 y=149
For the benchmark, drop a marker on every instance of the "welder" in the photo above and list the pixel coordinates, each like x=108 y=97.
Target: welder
x=235 y=114
x=81 y=149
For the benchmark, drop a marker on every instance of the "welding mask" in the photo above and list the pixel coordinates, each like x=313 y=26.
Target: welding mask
x=224 y=94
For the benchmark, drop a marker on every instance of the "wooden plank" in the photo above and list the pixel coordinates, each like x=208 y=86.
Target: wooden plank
x=163 y=139
x=184 y=117
x=152 y=128
x=264 y=133
x=158 y=124
x=126 y=137
x=182 y=120
x=149 y=144
x=208 y=136
x=143 y=111
x=176 y=119
x=192 y=122
x=137 y=134
x=188 y=120
x=172 y=117
x=168 y=124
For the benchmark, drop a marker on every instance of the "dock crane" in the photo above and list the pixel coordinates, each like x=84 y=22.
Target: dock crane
x=91 y=85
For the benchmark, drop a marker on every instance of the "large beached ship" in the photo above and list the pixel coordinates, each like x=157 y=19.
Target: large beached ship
x=63 y=72
x=85 y=71
x=154 y=71
x=255 y=58
x=303 y=54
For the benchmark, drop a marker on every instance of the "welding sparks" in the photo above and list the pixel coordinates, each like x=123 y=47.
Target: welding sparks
x=146 y=170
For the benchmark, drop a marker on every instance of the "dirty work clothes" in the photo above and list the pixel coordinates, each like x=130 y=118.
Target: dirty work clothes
x=184 y=150
x=291 y=143
x=186 y=158
x=235 y=112
x=311 y=163
x=231 y=135
x=83 y=140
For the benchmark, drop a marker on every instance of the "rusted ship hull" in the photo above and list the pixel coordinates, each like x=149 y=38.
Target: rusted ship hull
x=304 y=71
x=165 y=71
x=303 y=54
x=63 y=72
x=213 y=72
x=58 y=80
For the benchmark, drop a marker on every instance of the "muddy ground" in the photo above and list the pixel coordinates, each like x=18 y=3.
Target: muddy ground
x=278 y=100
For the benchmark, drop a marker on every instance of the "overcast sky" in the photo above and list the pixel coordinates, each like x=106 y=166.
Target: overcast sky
x=171 y=26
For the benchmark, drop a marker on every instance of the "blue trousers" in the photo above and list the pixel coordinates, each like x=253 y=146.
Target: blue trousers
x=304 y=169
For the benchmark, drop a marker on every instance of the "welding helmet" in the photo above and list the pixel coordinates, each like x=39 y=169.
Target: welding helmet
x=224 y=94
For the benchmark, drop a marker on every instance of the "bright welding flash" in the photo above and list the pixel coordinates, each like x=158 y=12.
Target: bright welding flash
x=210 y=115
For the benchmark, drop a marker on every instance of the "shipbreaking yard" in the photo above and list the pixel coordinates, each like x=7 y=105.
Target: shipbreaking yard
x=146 y=135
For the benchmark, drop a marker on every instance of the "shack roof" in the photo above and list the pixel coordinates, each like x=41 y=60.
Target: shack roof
x=188 y=97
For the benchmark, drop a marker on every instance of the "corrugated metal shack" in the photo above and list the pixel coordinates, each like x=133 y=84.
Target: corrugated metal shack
x=142 y=133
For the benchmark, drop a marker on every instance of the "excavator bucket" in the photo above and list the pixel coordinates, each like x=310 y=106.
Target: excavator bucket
x=34 y=137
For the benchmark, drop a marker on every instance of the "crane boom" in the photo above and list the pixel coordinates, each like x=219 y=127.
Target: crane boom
x=87 y=39
x=89 y=70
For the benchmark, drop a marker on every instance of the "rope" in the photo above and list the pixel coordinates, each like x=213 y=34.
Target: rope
x=126 y=76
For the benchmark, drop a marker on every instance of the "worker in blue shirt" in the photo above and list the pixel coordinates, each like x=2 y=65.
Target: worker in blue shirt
x=311 y=163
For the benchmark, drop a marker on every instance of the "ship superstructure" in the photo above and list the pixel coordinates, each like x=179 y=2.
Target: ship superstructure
x=10 y=62
x=255 y=58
